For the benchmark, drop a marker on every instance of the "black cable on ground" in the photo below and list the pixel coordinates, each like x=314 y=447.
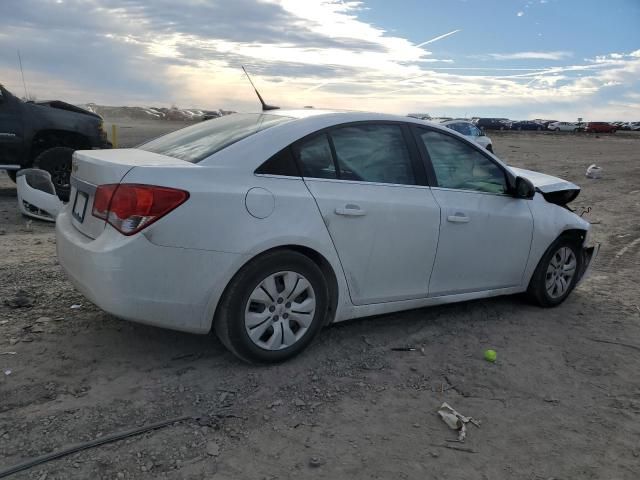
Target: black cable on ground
x=84 y=446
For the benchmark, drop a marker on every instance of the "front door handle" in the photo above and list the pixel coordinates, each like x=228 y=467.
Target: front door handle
x=351 y=210
x=458 y=217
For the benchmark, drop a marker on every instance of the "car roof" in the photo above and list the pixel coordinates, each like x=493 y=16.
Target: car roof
x=328 y=117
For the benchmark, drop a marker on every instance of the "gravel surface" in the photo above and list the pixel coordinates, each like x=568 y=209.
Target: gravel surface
x=562 y=400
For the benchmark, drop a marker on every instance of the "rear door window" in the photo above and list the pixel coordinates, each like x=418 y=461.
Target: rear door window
x=373 y=153
x=315 y=158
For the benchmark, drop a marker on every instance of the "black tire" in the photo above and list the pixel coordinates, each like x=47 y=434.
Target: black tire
x=557 y=129
x=229 y=319
x=539 y=129
x=537 y=291
x=57 y=161
x=490 y=148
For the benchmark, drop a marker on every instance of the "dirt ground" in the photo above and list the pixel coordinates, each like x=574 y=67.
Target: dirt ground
x=562 y=401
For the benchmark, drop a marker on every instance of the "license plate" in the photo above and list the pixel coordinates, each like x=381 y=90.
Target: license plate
x=80 y=206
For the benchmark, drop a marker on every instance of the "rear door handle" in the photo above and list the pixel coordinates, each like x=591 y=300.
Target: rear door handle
x=458 y=217
x=351 y=210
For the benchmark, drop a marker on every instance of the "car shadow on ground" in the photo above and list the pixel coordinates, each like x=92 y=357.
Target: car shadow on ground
x=130 y=342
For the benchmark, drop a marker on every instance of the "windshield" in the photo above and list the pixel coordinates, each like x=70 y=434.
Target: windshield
x=197 y=142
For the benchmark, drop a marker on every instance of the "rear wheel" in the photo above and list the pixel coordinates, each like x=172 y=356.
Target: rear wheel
x=57 y=161
x=557 y=273
x=557 y=129
x=273 y=308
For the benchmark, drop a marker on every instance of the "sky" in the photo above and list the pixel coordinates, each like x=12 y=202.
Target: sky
x=521 y=59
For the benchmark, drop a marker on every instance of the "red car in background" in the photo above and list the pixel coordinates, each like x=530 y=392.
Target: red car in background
x=600 y=127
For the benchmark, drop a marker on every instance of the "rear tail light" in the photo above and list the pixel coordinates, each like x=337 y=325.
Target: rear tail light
x=130 y=207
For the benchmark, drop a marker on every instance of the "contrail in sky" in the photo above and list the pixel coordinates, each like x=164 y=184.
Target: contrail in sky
x=438 y=38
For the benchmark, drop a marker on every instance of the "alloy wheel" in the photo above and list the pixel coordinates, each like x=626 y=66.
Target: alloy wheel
x=280 y=310
x=560 y=272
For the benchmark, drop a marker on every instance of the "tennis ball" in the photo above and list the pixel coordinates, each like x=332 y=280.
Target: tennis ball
x=490 y=355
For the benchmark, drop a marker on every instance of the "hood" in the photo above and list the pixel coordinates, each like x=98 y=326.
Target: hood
x=60 y=105
x=553 y=189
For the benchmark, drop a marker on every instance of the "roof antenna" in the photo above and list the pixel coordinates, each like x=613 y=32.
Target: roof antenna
x=265 y=107
x=24 y=84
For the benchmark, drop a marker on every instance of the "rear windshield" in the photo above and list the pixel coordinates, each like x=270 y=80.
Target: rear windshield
x=197 y=142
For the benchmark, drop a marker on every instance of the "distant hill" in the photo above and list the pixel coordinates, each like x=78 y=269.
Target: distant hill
x=154 y=113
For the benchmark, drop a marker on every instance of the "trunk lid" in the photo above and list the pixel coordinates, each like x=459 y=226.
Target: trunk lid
x=554 y=189
x=92 y=168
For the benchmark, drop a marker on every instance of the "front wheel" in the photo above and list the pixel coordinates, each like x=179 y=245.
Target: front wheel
x=273 y=308
x=557 y=273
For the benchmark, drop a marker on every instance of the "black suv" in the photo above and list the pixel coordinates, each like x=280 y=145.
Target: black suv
x=492 y=123
x=45 y=135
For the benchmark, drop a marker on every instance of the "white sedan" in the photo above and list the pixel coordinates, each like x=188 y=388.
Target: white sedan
x=469 y=130
x=267 y=227
x=563 y=127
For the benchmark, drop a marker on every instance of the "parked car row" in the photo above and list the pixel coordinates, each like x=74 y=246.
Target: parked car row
x=553 y=125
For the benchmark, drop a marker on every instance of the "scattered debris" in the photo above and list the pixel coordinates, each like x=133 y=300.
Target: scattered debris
x=90 y=444
x=594 y=172
x=75 y=306
x=490 y=355
x=299 y=402
x=611 y=342
x=22 y=299
x=8 y=371
x=8 y=353
x=455 y=420
x=213 y=449
x=316 y=462
x=276 y=403
x=453 y=447
x=403 y=349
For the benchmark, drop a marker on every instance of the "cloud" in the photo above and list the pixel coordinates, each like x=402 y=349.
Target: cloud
x=299 y=53
x=558 y=55
x=438 y=38
x=520 y=14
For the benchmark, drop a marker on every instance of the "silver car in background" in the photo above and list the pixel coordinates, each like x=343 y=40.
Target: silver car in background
x=469 y=130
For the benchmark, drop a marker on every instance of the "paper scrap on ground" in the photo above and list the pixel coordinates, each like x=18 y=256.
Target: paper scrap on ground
x=456 y=421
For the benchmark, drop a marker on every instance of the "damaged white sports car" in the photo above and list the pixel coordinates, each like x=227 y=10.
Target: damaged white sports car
x=268 y=226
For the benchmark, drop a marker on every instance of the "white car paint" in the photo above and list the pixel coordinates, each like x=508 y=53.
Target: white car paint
x=563 y=127
x=470 y=131
x=403 y=253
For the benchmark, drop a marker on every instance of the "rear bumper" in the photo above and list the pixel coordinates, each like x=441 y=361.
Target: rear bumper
x=134 y=279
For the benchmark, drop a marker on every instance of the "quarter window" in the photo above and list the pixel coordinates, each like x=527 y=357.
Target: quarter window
x=373 y=153
x=459 y=166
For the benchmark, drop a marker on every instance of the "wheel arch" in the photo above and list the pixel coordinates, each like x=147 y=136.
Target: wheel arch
x=315 y=256
x=50 y=138
x=577 y=234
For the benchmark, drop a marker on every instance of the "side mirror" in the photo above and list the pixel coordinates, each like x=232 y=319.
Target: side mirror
x=524 y=188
